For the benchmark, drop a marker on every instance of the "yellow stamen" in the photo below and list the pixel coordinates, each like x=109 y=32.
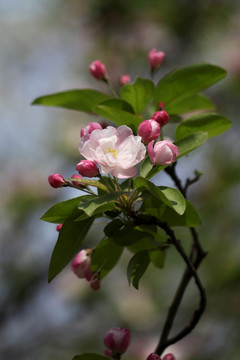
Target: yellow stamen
x=114 y=152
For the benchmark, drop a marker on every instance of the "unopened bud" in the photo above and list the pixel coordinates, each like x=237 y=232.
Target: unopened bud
x=161 y=117
x=161 y=105
x=89 y=128
x=125 y=79
x=169 y=357
x=163 y=152
x=58 y=227
x=81 y=264
x=117 y=340
x=95 y=282
x=76 y=183
x=56 y=180
x=87 y=168
x=149 y=130
x=153 y=356
x=155 y=58
x=98 y=70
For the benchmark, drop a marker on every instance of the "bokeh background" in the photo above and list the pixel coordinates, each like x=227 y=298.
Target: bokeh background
x=45 y=47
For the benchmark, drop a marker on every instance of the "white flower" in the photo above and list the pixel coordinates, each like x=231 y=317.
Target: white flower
x=117 y=151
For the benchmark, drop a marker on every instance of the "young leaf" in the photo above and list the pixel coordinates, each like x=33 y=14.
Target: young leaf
x=92 y=205
x=105 y=257
x=137 y=267
x=187 y=81
x=80 y=99
x=191 y=103
x=213 y=124
x=170 y=196
x=59 y=212
x=138 y=94
x=68 y=244
x=90 y=356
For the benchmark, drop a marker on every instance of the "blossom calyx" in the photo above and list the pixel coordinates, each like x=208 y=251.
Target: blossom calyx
x=98 y=70
x=125 y=79
x=81 y=264
x=89 y=128
x=163 y=152
x=149 y=130
x=56 y=180
x=117 y=340
x=87 y=168
x=155 y=58
x=161 y=117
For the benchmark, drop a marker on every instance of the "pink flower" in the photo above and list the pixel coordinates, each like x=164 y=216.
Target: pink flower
x=169 y=357
x=163 y=152
x=125 y=79
x=155 y=58
x=56 y=180
x=149 y=130
x=117 y=151
x=58 y=227
x=76 y=183
x=161 y=117
x=81 y=264
x=153 y=356
x=95 y=282
x=117 y=340
x=87 y=168
x=89 y=128
x=98 y=70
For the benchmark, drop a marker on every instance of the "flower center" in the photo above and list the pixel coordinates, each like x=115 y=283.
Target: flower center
x=114 y=152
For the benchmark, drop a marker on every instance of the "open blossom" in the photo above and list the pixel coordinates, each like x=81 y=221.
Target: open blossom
x=117 y=341
x=89 y=128
x=98 y=70
x=163 y=152
x=149 y=130
x=155 y=58
x=117 y=151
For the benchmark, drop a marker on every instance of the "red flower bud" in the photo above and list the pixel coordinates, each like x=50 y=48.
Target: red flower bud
x=149 y=130
x=125 y=79
x=161 y=117
x=87 y=168
x=56 y=180
x=89 y=128
x=58 y=227
x=161 y=105
x=81 y=265
x=98 y=70
x=117 y=340
x=153 y=356
x=76 y=183
x=95 y=282
x=169 y=357
x=155 y=58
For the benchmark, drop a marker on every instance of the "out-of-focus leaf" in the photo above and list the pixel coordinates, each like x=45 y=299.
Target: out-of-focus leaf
x=137 y=267
x=187 y=81
x=212 y=124
x=79 y=99
x=189 y=104
x=157 y=257
x=89 y=356
x=138 y=94
x=105 y=257
x=68 y=244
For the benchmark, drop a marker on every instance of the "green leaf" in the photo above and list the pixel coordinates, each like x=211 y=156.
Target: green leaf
x=213 y=124
x=170 y=196
x=187 y=81
x=80 y=99
x=118 y=104
x=113 y=226
x=137 y=267
x=157 y=257
x=190 y=143
x=68 y=244
x=189 y=104
x=118 y=116
x=146 y=167
x=92 y=205
x=59 y=212
x=88 y=182
x=105 y=257
x=138 y=94
x=90 y=356
x=128 y=236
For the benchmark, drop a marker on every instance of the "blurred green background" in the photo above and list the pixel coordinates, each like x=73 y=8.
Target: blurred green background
x=46 y=47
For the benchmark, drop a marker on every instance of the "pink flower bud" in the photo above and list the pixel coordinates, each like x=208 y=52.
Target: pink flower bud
x=56 y=180
x=161 y=105
x=125 y=79
x=76 y=183
x=58 y=227
x=98 y=70
x=89 y=128
x=153 y=356
x=95 y=282
x=149 y=130
x=87 y=168
x=169 y=357
x=163 y=152
x=117 y=340
x=161 y=117
x=81 y=264
x=155 y=58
